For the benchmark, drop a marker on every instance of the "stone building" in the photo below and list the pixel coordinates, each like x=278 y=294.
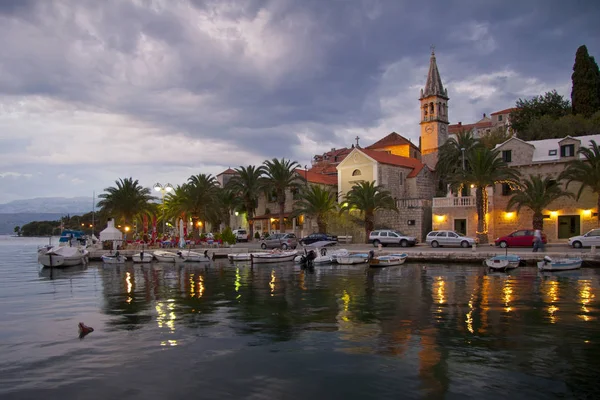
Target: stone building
x=564 y=218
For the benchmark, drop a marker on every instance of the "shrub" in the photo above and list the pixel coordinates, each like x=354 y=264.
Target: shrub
x=256 y=235
x=228 y=236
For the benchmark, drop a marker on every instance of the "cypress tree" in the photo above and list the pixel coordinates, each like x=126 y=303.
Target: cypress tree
x=585 y=95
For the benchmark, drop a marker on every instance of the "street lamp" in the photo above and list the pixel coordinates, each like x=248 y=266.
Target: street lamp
x=163 y=189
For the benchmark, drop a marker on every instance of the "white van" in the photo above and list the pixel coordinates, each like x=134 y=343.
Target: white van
x=241 y=235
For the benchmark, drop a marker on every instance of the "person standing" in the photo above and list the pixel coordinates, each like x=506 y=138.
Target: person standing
x=538 y=242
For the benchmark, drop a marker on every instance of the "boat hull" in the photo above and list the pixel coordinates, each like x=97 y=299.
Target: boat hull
x=142 y=258
x=503 y=263
x=62 y=256
x=114 y=259
x=164 y=256
x=353 y=259
x=560 y=265
x=388 y=261
x=273 y=258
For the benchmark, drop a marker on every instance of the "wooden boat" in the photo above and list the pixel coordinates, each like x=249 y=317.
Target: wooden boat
x=356 y=258
x=273 y=257
x=164 y=256
x=114 y=259
x=238 y=257
x=62 y=256
x=192 y=256
x=561 y=264
x=142 y=257
x=389 y=260
x=503 y=262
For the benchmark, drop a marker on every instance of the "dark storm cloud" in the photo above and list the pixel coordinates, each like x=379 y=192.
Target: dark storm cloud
x=261 y=77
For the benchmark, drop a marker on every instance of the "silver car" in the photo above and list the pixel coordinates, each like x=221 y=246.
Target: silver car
x=280 y=240
x=449 y=238
x=387 y=236
x=592 y=238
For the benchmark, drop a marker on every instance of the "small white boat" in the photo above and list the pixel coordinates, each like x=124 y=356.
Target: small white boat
x=62 y=256
x=503 y=262
x=561 y=264
x=356 y=258
x=321 y=253
x=192 y=256
x=114 y=259
x=142 y=257
x=165 y=256
x=273 y=257
x=389 y=260
x=236 y=257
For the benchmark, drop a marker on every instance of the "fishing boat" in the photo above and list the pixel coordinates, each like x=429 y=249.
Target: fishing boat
x=142 y=257
x=560 y=264
x=356 y=258
x=192 y=256
x=238 y=257
x=114 y=259
x=388 y=260
x=62 y=256
x=503 y=262
x=275 y=256
x=321 y=253
x=165 y=256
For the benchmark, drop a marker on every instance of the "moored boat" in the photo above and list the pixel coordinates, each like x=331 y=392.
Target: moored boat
x=503 y=262
x=142 y=257
x=165 y=256
x=321 y=253
x=114 y=259
x=192 y=256
x=62 y=256
x=236 y=257
x=560 y=264
x=273 y=257
x=388 y=260
x=356 y=258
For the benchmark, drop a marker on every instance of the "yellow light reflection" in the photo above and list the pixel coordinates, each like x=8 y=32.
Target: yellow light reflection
x=166 y=315
x=441 y=290
x=552 y=296
x=168 y=343
x=346 y=299
x=585 y=296
x=128 y=280
x=200 y=286
x=192 y=286
x=507 y=292
x=238 y=277
x=272 y=283
x=469 y=316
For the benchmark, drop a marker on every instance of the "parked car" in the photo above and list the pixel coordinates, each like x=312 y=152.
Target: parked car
x=317 y=237
x=280 y=240
x=387 y=236
x=241 y=235
x=449 y=238
x=592 y=238
x=520 y=238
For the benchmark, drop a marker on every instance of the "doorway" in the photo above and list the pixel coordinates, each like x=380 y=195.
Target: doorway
x=460 y=226
x=568 y=225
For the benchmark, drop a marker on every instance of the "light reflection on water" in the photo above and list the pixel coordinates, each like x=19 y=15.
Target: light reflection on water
x=279 y=331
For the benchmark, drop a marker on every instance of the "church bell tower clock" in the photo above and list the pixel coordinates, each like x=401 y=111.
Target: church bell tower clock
x=434 y=115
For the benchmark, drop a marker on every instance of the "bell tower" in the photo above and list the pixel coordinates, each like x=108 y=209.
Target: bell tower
x=434 y=114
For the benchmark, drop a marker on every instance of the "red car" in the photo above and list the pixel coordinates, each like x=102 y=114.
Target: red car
x=520 y=238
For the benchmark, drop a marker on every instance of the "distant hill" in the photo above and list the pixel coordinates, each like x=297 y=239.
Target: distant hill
x=9 y=221
x=62 y=205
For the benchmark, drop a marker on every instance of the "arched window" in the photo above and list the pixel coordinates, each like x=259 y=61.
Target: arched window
x=356 y=172
x=431 y=107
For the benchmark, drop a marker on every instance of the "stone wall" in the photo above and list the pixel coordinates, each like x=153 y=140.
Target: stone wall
x=521 y=152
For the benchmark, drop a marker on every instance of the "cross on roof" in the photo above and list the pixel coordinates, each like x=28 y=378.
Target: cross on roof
x=356 y=138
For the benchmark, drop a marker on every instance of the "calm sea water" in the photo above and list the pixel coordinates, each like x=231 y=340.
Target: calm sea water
x=278 y=332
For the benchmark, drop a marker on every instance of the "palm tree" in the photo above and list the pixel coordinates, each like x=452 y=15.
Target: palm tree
x=316 y=202
x=176 y=205
x=247 y=185
x=585 y=171
x=452 y=157
x=227 y=201
x=126 y=201
x=200 y=197
x=485 y=169
x=280 y=176
x=368 y=198
x=536 y=193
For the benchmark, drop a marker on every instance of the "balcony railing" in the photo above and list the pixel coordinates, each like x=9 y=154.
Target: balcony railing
x=466 y=201
x=413 y=203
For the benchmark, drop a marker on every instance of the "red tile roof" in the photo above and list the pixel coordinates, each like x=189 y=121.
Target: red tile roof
x=506 y=111
x=393 y=139
x=316 y=177
x=391 y=159
x=228 y=171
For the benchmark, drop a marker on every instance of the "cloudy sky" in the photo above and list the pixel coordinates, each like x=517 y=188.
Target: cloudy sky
x=91 y=91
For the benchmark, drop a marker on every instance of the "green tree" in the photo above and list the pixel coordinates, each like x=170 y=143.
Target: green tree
x=126 y=200
x=585 y=171
x=200 y=197
x=226 y=202
x=495 y=137
x=247 y=185
x=585 y=94
x=316 y=202
x=536 y=193
x=452 y=158
x=485 y=169
x=368 y=198
x=550 y=103
x=547 y=127
x=17 y=230
x=177 y=204
x=281 y=176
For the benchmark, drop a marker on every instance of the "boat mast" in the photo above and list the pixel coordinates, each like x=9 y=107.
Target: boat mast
x=93 y=210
